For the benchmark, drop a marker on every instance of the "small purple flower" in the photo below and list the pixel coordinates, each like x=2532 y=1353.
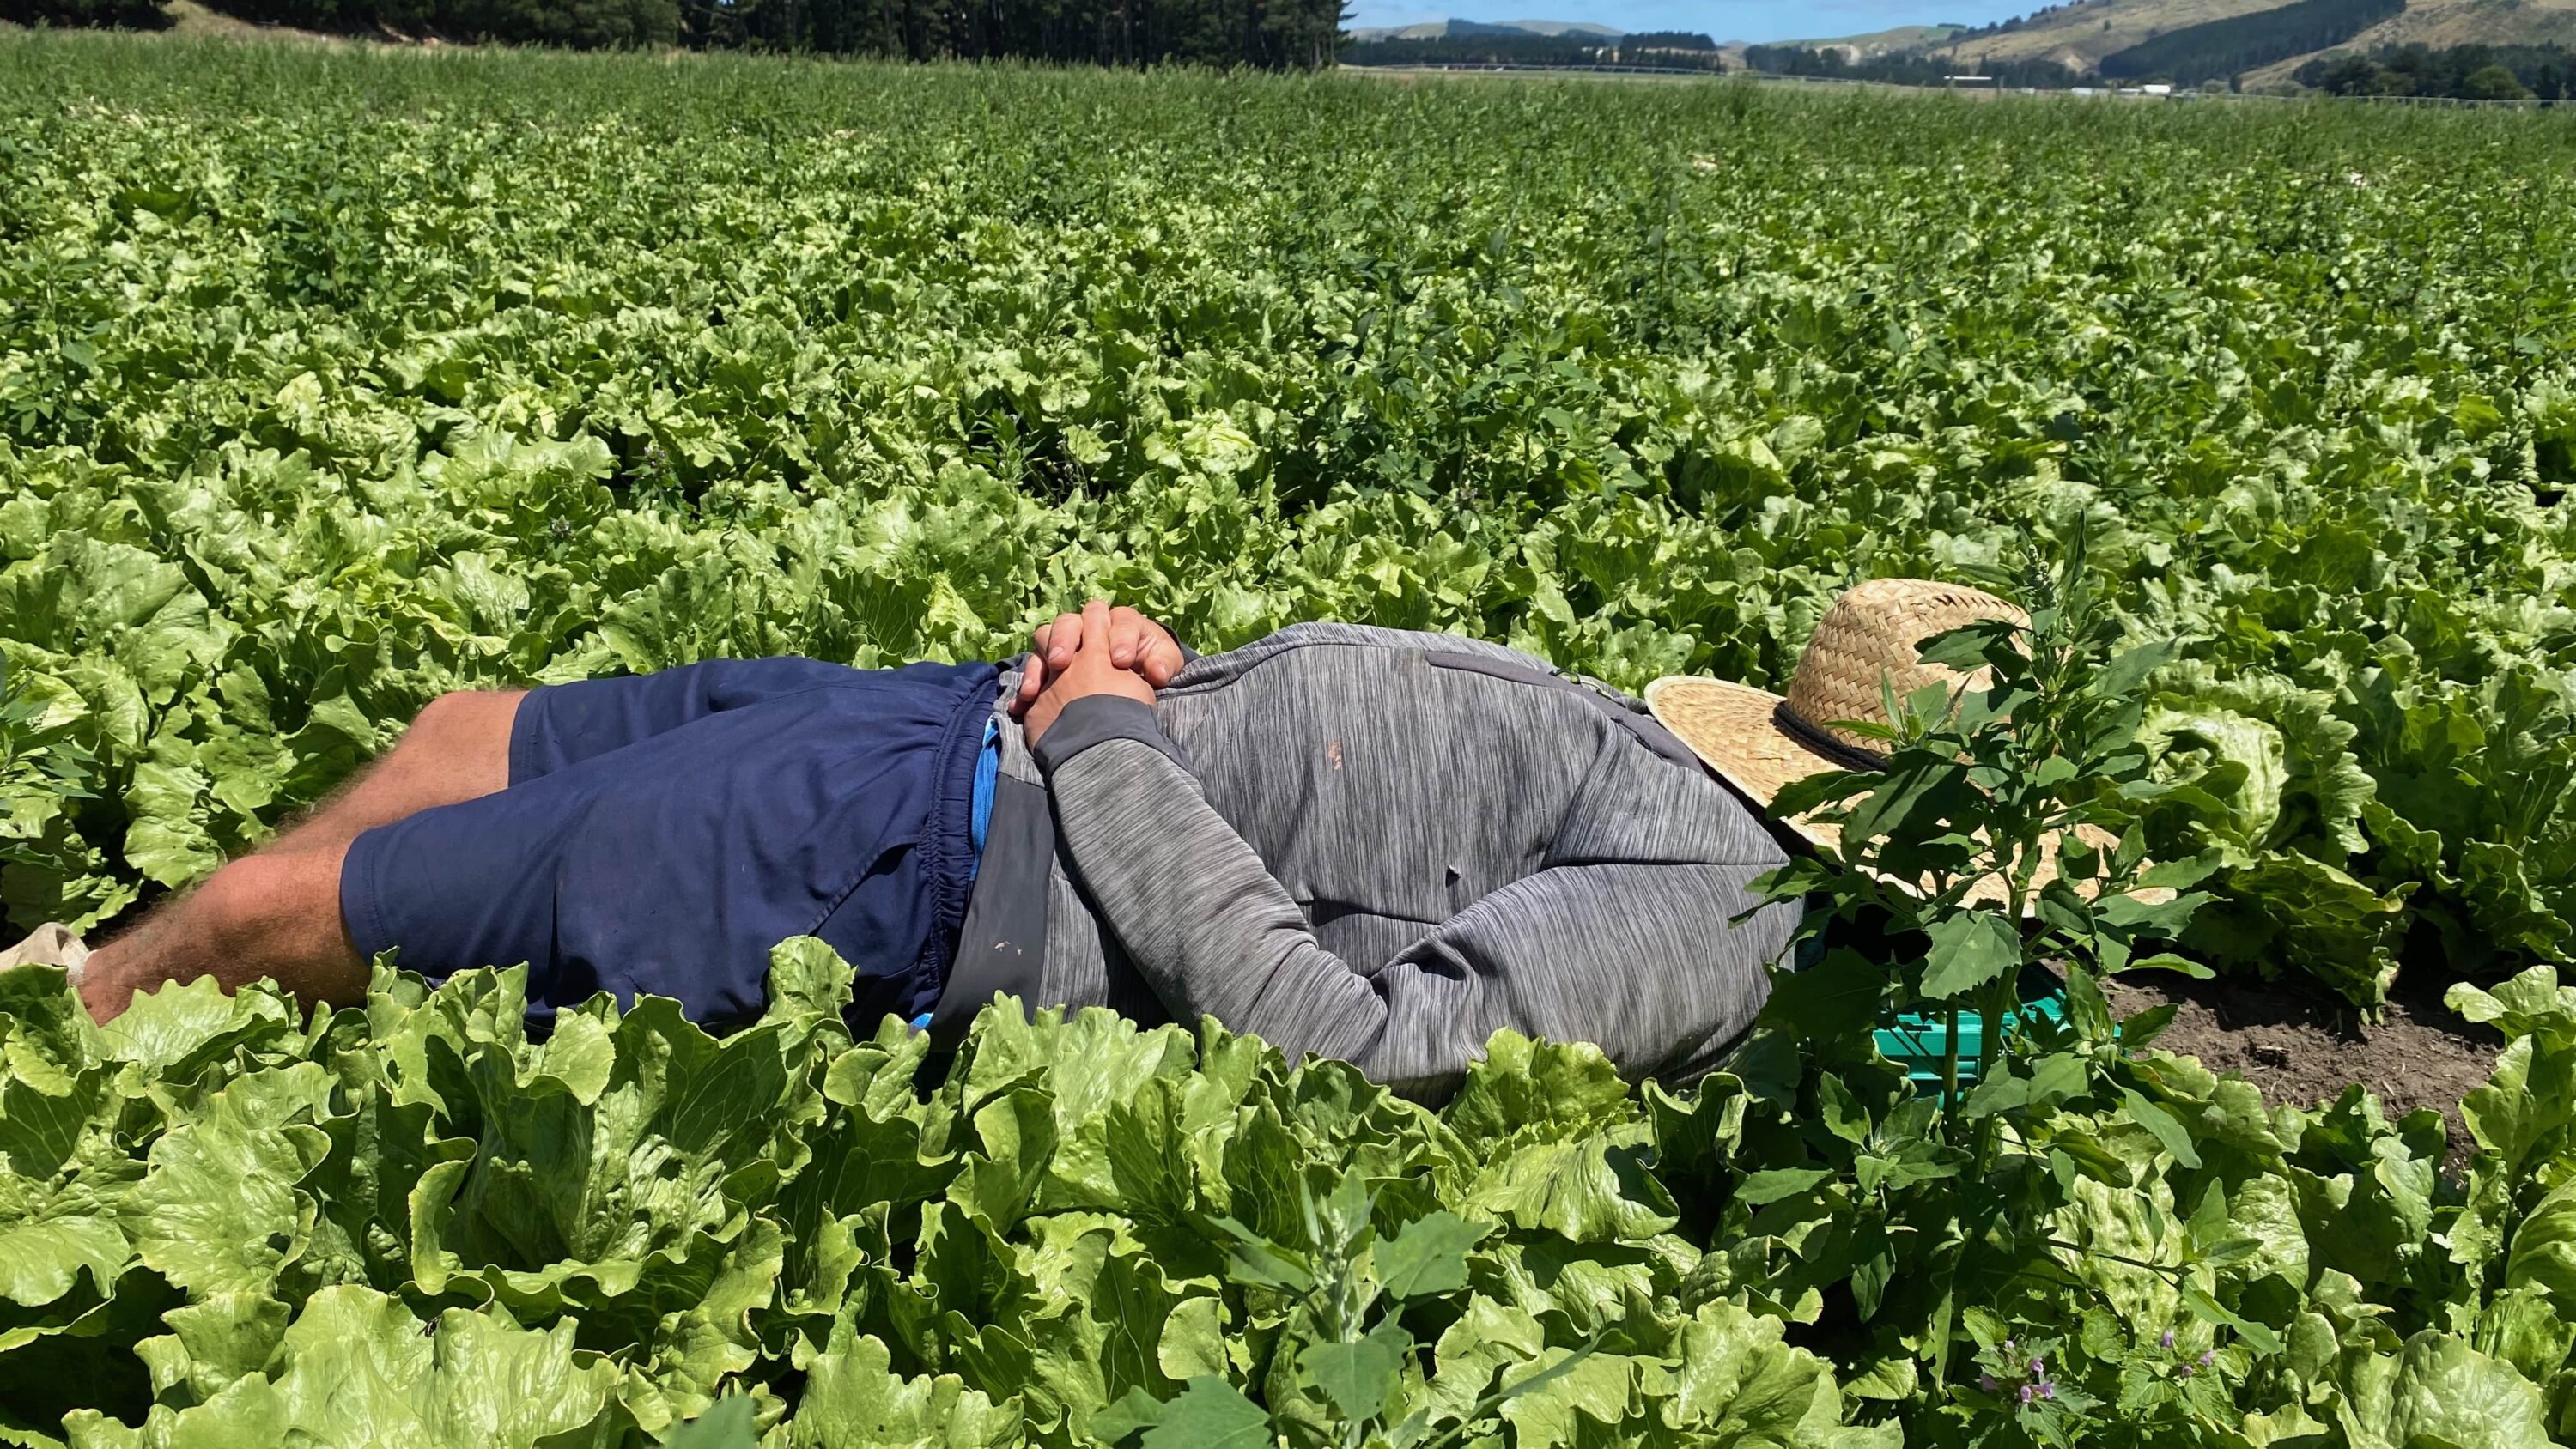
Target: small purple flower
x=2038 y=1367
x=1986 y=1382
x=2047 y=1389
x=2009 y=1345
x=2188 y=1370
x=2168 y=1338
x=2028 y=1393
x=2205 y=1356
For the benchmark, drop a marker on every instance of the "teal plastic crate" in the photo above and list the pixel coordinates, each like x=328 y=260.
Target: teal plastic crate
x=1918 y=1040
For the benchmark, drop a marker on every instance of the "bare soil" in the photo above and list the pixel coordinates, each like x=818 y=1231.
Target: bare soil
x=2301 y=1050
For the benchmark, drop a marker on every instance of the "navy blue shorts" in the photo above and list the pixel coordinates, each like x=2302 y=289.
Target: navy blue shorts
x=661 y=833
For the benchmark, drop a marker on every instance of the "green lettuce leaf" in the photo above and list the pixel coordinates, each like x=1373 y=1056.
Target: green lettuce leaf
x=355 y=1367
x=852 y=1399
x=2269 y=763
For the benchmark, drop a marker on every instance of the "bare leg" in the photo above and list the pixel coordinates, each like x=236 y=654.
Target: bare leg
x=457 y=748
x=275 y=913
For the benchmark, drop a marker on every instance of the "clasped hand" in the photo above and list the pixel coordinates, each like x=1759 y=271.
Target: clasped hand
x=1102 y=650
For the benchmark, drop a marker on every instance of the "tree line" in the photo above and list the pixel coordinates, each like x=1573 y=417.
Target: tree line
x=1905 y=68
x=1269 y=34
x=1522 y=48
x=139 y=14
x=2006 y=26
x=2460 y=72
x=1667 y=40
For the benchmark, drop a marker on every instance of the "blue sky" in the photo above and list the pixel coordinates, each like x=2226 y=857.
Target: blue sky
x=1722 y=19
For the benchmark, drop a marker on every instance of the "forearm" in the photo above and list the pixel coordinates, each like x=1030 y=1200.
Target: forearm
x=1215 y=934
x=1193 y=906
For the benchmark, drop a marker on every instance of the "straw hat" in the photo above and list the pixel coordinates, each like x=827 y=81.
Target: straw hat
x=1759 y=741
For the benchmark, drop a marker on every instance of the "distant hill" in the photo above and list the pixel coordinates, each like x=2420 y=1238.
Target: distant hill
x=1530 y=45
x=1887 y=42
x=2218 y=49
x=1562 y=27
x=1444 y=29
x=1902 y=40
x=2258 y=41
x=2442 y=23
x=2083 y=34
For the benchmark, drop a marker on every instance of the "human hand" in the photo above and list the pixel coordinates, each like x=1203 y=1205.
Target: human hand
x=1090 y=667
x=1135 y=642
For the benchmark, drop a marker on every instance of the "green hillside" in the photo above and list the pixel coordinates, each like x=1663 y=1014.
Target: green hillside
x=2190 y=40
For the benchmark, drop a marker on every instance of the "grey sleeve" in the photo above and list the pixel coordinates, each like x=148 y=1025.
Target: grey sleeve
x=1639 y=958
x=1094 y=718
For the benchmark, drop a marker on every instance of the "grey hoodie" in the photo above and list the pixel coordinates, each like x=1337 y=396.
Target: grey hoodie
x=1378 y=846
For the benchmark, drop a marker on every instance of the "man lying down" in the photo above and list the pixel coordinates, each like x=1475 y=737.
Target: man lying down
x=1368 y=844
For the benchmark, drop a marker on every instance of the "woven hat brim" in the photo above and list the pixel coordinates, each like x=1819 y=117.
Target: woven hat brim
x=1735 y=730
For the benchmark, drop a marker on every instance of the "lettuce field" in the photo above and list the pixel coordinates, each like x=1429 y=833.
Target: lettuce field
x=332 y=379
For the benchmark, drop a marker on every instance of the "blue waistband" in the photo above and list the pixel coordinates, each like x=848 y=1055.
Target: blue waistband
x=979 y=811
x=988 y=771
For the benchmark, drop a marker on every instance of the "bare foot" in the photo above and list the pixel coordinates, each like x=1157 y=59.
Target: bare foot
x=106 y=984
